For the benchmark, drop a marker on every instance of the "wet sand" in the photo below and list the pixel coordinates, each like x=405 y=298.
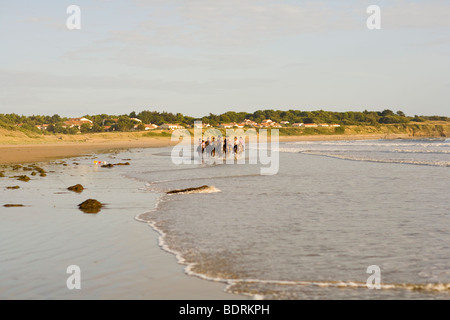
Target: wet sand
x=119 y=257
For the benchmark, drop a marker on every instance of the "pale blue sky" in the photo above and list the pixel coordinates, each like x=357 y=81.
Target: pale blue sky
x=202 y=56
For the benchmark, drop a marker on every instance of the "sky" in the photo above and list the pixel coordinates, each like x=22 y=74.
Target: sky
x=208 y=56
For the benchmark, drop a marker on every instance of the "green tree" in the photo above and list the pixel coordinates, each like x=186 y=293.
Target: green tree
x=124 y=123
x=387 y=112
x=393 y=119
x=225 y=118
x=141 y=127
x=418 y=119
x=97 y=128
x=85 y=128
x=55 y=118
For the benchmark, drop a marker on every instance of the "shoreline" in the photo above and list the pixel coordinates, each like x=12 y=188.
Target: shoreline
x=43 y=152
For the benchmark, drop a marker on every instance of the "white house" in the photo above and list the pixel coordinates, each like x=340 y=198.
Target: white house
x=248 y=122
x=171 y=126
x=227 y=125
x=82 y=119
x=76 y=122
x=150 y=127
x=42 y=126
x=201 y=125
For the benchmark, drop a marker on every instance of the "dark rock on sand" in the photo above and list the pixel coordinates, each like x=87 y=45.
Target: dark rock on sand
x=90 y=206
x=76 y=188
x=122 y=164
x=16 y=167
x=33 y=173
x=23 y=178
x=192 y=190
x=40 y=170
x=13 y=187
x=13 y=205
x=110 y=165
x=2 y=174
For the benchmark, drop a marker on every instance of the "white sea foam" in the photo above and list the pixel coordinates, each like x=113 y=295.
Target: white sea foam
x=399 y=161
x=425 y=287
x=375 y=143
x=375 y=155
x=421 y=151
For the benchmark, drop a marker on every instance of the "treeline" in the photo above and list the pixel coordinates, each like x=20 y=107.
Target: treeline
x=11 y=121
x=292 y=116
x=343 y=118
x=126 y=122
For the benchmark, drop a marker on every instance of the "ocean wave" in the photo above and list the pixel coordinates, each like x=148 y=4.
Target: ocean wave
x=305 y=150
x=269 y=289
x=261 y=289
x=399 y=161
x=326 y=153
x=421 y=151
x=371 y=143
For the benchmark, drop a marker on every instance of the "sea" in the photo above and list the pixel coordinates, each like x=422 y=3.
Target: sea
x=366 y=219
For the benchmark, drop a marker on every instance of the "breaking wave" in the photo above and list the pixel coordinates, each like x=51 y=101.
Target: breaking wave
x=273 y=289
x=399 y=161
x=377 y=143
x=415 y=152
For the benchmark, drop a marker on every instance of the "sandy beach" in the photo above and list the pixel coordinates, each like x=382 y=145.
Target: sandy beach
x=25 y=153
